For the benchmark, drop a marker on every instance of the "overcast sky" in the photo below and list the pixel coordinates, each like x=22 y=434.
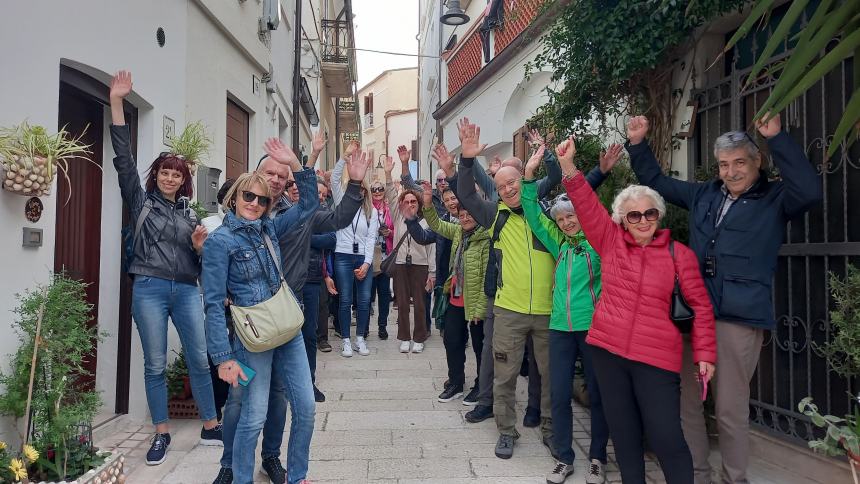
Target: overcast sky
x=389 y=25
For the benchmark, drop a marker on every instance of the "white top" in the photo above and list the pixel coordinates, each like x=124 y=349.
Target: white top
x=361 y=230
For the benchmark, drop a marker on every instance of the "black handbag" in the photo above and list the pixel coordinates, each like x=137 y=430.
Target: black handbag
x=388 y=264
x=681 y=314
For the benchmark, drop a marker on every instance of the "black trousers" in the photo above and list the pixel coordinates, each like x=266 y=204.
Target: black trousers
x=641 y=400
x=454 y=337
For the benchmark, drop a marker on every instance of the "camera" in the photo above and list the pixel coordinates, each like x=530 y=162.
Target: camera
x=710 y=266
x=355 y=247
x=383 y=246
x=408 y=259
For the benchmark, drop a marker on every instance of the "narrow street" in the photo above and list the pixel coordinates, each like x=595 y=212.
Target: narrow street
x=381 y=423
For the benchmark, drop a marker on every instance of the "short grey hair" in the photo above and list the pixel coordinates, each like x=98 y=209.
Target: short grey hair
x=635 y=192
x=734 y=140
x=561 y=204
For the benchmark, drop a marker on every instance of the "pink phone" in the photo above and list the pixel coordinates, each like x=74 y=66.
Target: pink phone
x=704 y=382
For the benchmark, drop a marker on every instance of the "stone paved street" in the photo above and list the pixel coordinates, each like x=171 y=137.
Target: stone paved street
x=381 y=423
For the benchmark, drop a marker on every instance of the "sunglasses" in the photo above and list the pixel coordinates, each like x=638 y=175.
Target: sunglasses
x=740 y=136
x=167 y=154
x=650 y=215
x=440 y=180
x=289 y=183
x=377 y=189
x=262 y=200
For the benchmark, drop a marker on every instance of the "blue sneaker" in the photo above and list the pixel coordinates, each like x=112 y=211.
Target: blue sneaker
x=158 y=450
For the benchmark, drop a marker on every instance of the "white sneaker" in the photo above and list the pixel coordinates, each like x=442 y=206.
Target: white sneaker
x=347 y=348
x=417 y=347
x=361 y=346
x=404 y=346
x=595 y=475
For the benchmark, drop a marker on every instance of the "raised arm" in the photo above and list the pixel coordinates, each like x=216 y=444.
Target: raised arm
x=418 y=233
x=544 y=229
x=306 y=181
x=344 y=212
x=644 y=164
x=129 y=180
x=598 y=226
x=406 y=180
x=482 y=211
x=437 y=225
x=318 y=144
x=802 y=185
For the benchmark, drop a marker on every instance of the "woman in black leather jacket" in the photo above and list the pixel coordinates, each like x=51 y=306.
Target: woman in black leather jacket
x=165 y=266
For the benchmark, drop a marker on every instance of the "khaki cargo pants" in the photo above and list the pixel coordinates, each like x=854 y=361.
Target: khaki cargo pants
x=509 y=342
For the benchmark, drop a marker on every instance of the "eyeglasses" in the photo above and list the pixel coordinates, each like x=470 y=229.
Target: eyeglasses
x=167 y=154
x=650 y=215
x=377 y=189
x=251 y=196
x=440 y=180
x=736 y=136
x=289 y=183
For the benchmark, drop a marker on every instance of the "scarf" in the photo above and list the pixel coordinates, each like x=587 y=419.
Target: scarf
x=382 y=208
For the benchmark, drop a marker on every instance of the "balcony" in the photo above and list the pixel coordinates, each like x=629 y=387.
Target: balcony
x=367 y=121
x=346 y=116
x=338 y=59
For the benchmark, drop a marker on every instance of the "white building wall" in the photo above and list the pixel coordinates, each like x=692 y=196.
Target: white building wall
x=211 y=52
x=402 y=130
x=428 y=78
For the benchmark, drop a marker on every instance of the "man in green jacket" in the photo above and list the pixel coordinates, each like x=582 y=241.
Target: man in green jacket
x=575 y=294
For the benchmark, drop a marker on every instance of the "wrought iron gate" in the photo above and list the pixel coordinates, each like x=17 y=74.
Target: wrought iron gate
x=824 y=240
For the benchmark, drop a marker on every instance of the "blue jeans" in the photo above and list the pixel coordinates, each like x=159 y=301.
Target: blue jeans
x=346 y=282
x=311 y=299
x=382 y=289
x=564 y=346
x=289 y=364
x=273 y=429
x=153 y=301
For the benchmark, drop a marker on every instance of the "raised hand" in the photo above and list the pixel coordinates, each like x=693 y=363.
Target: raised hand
x=120 y=85
x=534 y=138
x=462 y=126
x=495 y=165
x=356 y=165
x=319 y=142
x=470 y=141
x=637 y=129
x=404 y=153
x=566 y=151
x=198 y=237
x=427 y=194
x=610 y=157
x=534 y=162
x=281 y=153
x=388 y=166
x=770 y=128
x=444 y=159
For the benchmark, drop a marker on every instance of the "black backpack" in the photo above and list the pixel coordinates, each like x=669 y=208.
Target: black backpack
x=492 y=279
x=129 y=236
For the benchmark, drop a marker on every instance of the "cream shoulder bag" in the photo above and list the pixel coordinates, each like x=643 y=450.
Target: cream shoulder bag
x=273 y=322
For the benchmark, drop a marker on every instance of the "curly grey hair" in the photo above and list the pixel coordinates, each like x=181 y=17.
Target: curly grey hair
x=635 y=192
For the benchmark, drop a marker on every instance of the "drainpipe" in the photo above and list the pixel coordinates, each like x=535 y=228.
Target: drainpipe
x=439 y=76
x=297 y=76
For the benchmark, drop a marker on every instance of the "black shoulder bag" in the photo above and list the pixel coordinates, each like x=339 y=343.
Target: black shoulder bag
x=492 y=279
x=681 y=314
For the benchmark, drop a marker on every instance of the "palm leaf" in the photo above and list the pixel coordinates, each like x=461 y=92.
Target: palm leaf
x=757 y=12
x=850 y=117
x=777 y=37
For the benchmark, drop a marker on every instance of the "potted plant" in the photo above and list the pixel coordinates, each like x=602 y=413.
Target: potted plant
x=31 y=157
x=193 y=144
x=843 y=355
x=178 y=381
x=45 y=384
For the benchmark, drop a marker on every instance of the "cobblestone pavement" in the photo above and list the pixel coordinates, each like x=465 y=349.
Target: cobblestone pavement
x=381 y=423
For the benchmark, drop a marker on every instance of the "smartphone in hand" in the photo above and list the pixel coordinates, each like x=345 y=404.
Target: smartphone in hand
x=249 y=373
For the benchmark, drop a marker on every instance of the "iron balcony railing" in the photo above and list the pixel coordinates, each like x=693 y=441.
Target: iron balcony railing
x=336 y=41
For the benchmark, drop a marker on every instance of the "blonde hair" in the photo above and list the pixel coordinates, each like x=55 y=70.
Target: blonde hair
x=244 y=183
x=635 y=192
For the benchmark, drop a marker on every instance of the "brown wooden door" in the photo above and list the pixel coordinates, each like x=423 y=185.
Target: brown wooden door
x=520 y=146
x=78 y=226
x=237 y=140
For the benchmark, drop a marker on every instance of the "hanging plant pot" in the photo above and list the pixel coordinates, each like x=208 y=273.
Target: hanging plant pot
x=28 y=176
x=30 y=158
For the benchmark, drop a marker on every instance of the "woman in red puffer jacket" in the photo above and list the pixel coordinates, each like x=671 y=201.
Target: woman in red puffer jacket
x=636 y=348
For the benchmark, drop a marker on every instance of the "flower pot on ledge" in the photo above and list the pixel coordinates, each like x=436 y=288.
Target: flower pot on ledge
x=29 y=177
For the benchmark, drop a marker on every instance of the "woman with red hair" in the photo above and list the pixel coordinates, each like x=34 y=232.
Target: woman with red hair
x=167 y=241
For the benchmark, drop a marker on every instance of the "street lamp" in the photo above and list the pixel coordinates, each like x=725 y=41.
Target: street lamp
x=379 y=161
x=455 y=15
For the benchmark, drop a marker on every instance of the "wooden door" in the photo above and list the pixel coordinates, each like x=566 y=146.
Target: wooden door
x=237 y=140
x=78 y=225
x=520 y=146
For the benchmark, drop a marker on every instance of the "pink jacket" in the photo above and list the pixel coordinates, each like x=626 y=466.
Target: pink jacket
x=631 y=319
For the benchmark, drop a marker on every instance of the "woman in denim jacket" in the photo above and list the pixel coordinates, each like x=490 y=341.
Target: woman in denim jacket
x=237 y=265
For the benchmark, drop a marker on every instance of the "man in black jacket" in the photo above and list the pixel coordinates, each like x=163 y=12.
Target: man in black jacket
x=737 y=224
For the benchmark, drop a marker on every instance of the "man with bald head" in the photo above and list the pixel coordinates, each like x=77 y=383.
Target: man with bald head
x=523 y=285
